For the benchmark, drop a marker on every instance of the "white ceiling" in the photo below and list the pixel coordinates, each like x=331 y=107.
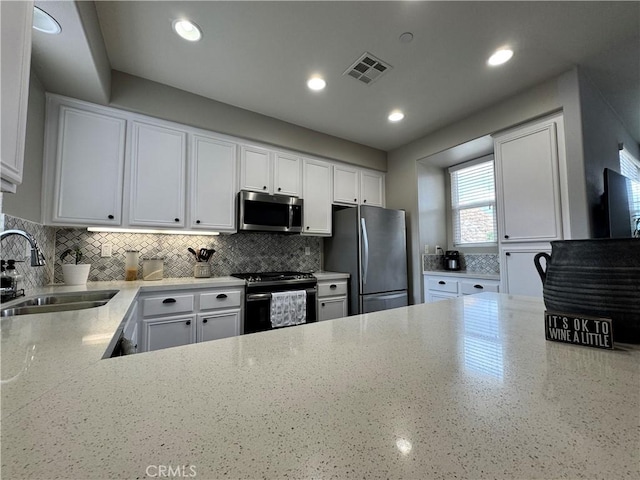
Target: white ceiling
x=258 y=56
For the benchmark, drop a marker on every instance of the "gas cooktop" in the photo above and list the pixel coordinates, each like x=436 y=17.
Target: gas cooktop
x=261 y=277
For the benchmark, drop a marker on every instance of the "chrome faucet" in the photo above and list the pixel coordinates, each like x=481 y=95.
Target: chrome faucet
x=37 y=259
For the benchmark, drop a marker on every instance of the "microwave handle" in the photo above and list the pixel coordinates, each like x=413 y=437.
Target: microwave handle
x=290 y=217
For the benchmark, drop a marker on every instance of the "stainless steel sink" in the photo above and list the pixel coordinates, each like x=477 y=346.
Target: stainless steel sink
x=59 y=302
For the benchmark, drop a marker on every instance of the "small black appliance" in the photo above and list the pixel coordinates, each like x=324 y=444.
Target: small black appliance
x=452 y=260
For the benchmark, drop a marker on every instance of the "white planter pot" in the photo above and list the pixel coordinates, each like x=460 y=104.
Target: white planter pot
x=75 y=274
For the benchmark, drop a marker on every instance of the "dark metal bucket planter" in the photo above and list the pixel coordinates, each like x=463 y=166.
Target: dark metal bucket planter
x=599 y=278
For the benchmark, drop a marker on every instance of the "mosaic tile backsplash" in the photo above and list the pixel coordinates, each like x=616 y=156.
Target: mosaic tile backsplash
x=15 y=247
x=242 y=252
x=484 y=263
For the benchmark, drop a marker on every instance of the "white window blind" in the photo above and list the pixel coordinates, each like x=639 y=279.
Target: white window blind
x=629 y=166
x=473 y=202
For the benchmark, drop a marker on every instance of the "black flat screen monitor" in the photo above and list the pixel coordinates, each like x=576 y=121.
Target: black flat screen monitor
x=621 y=205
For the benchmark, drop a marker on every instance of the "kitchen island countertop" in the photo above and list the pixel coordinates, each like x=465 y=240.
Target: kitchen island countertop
x=463 y=388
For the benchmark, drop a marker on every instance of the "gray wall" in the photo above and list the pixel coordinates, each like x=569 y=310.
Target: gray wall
x=25 y=203
x=402 y=186
x=162 y=101
x=602 y=131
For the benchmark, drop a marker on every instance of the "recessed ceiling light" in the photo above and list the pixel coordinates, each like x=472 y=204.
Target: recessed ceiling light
x=43 y=22
x=316 y=83
x=500 y=56
x=406 y=37
x=187 y=30
x=396 y=116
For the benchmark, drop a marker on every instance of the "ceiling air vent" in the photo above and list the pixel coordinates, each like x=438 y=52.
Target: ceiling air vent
x=367 y=69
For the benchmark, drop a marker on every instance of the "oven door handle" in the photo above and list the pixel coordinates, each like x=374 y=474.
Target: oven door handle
x=254 y=297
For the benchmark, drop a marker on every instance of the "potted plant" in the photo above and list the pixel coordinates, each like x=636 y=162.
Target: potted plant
x=74 y=273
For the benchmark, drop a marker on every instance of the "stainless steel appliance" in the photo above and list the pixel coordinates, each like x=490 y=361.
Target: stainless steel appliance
x=260 y=286
x=370 y=243
x=451 y=260
x=261 y=212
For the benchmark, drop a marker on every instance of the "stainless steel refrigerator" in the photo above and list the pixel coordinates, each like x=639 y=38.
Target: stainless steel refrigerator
x=370 y=243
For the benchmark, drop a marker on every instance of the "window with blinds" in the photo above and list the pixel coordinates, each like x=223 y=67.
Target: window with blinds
x=630 y=168
x=473 y=203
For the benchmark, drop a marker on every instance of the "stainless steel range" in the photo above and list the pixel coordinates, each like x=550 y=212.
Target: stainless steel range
x=260 y=286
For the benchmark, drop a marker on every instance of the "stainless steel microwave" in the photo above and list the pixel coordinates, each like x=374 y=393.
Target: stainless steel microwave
x=261 y=212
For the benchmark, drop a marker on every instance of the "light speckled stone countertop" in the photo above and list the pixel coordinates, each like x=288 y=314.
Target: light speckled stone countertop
x=461 y=274
x=463 y=388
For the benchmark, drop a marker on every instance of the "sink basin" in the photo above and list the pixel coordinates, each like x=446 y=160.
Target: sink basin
x=59 y=302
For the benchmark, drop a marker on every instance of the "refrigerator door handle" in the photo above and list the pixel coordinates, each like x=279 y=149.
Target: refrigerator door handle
x=365 y=251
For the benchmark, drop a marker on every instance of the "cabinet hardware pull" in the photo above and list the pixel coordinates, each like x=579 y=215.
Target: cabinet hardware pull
x=169 y=300
x=332 y=286
x=188 y=322
x=264 y=187
x=355 y=199
x=441 y=282
x=176 y=219
x=204 y=320
x=364 y=201
x=307 y=227
x=478 y=286
x=322 y=304
x=508 y=254
x=279 y=189
x=506 y=236
x=110 y=217
x=221 y=295
x=197 y=221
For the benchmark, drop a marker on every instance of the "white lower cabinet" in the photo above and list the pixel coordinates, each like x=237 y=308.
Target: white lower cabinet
x=520 y=276
x=182 y=317
x=169 y=332
x=214 y=326
x=443 y=287
x=332 y=299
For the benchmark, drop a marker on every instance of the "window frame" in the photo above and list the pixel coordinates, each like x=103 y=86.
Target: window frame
x=454 y=210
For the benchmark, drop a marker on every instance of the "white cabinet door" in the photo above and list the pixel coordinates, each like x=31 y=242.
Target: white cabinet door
x=16 y=18
x=169 y=332
x=332 y=307
x=213 y=184
x=527 y=175
x=255 y=169
x=89 y=168
x=346 y=187
x=372 y=188
x=158 y=164
x=287 y=175
x=217 y=325
x=317 y=198
x=518 y=273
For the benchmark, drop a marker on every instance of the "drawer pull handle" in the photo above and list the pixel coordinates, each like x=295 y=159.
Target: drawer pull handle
x=169 y=300
x=478 y=286
x=333 y=286
x=221 y=296
x=442 y=282
x=188 y=322
x=322 y=304
x=204 y=320
x=110 y=217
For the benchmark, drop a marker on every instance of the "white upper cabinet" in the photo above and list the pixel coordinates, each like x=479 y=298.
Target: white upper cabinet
x=317 y=197
x=267 y=171
x=528 y=187
x=157 y=187
x=346 y=184
x=372 y=188
x=255 y=169
x=16 y=18
x=213 y=183
x=353 y=186
x=89 y=167
x=287 y=174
